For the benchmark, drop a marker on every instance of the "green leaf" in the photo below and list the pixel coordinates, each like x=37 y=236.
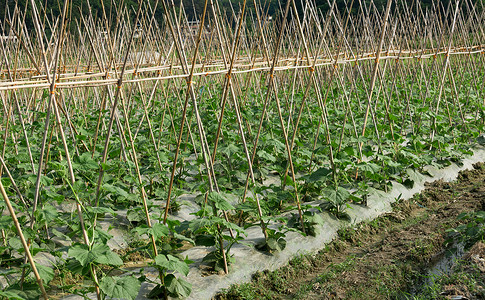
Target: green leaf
x=349 y=150
x=220 y=201
x=75 y=266
x=408 y=183
x=53 y=196
x=45 y=273
x=6 y=222
x=232 y=226
x=15 y=243
x=10 y=295
x=199 y=224
x=170 y=262
x=315 y=218
x=109 y=258
x=229 y=149
x=157 y=230
x=276 y=143
x=183 y=238
x=337 y=196
x=135 y=215
x=126 y=287
x=28 y=291
x=102 y=235
x=100 y=210
x=115 y=190
x=84 y=256
x=276 y=244
x=319 y=175
x=368 y=167
x=481 y=140
x=46 y=181
x=178 y=287
x=87 y=162
x=266 y=155
x=205 y=240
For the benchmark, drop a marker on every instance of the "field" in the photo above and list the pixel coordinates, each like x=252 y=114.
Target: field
x=135 y=151
x=411 y=253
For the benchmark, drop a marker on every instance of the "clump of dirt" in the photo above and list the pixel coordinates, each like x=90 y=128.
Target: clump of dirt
x=133 y=255
x=384 y=258
x=476 y=255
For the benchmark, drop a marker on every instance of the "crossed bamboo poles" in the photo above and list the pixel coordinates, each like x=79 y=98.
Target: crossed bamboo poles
x=107 y=66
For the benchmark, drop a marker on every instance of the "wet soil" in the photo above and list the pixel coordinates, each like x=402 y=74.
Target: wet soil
x=389 y=257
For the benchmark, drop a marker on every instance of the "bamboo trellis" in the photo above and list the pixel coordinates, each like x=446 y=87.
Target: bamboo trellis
x=135 y=73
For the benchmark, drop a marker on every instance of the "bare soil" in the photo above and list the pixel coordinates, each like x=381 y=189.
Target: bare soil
x=387 y=258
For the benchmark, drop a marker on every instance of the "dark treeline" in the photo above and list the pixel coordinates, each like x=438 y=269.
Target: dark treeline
x=193 y=8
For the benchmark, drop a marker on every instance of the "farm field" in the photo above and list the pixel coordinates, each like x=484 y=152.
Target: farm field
x=142 y=155
x=414 y=252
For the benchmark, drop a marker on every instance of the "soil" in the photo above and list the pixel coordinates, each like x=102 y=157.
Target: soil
x=389 y=257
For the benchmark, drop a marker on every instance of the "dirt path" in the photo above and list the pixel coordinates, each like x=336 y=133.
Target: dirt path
x=388 y=258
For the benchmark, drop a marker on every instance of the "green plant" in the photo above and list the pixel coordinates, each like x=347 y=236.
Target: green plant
x=472 y=231
x=209 y=231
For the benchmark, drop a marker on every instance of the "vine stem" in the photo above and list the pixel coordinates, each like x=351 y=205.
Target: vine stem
x=24 y=242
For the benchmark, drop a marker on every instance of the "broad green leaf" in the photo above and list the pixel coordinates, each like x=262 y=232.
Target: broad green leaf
x=45 y=273
x=229 y=149
x=393 y=117
x=315 y=218
x=6 y=222
x=115 y=190
x=481 y=140
x=408 y=183
x=85 y=256
x=109 y=258
x=49 y=213
x=100 y=210
x=28 y=291
x=178 y=287
x=15 y=243
x=183 y=238
x=266 y=155
x=87 y=162
x=52 y=196
x=135 y=215
x=46 y=181
x=157 y=230
x=232 y=226
x=393 y=164
x=10 y=295
x=102 y=235
x=205 y=240
x=199 y=224
x=172 y=263
x=75 y=266
x=319 y=175
x=276 y=143
x=349 y=150
x=249 y=206
x=277 y=244
x=338 y=196
x=368 y=167
x=60 y=234
x=220 y=201
x=126 y=287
